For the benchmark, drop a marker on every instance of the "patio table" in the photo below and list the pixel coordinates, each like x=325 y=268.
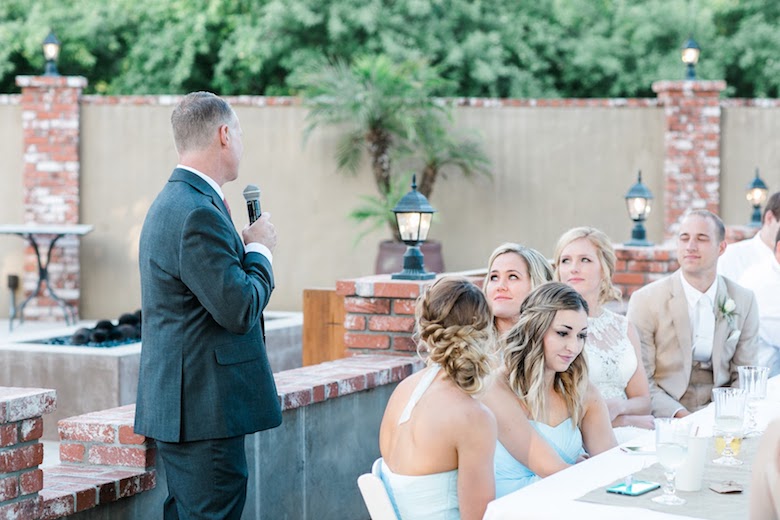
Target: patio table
x=560 y=495
x=32 y=233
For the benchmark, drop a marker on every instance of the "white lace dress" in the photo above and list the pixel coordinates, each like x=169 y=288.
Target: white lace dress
x=611 y=361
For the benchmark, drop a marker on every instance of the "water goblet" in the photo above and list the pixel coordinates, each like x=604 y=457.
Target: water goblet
x=753 y=380
x=671 y=448
x=729 y=420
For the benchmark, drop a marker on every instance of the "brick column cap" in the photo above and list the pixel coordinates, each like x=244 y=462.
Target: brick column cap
x=17 y=404
x=688 y=87
x=51 y=81
x=381 y=285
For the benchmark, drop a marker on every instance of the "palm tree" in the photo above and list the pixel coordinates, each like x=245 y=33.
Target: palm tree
x=390 y=110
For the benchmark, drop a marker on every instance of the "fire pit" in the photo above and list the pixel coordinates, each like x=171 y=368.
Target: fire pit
x=88 y=378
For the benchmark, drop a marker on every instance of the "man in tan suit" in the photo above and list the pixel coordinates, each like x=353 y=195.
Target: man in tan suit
x=696 y=327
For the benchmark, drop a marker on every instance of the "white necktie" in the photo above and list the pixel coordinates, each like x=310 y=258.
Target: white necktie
x=705 y=330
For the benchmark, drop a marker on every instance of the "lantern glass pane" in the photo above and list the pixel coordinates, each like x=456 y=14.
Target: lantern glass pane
x=638 y=207
x=425 y=225
x=690 y=56
x=51 y=51
x=409 y=226
x=756 y=196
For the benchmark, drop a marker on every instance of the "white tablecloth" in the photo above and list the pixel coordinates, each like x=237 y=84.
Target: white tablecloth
x=555 y=497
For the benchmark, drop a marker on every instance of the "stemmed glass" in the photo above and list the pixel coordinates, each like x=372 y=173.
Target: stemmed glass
x=729 y=420
x=671 y=448
x=753 y=380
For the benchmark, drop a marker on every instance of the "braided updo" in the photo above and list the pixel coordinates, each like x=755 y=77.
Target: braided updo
x=454 y=324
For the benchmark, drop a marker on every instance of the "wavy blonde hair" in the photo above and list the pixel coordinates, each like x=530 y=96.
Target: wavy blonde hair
x=454 y=324
x=605 y=253
x=524 y=353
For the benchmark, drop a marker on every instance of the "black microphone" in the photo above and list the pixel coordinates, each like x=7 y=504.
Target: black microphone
x=252 y=197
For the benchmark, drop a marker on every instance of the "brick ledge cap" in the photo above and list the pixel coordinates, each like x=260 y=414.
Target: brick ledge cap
x=51 y=81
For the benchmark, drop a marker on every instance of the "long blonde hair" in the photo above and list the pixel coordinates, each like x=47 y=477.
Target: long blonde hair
x=605 y=253
x=524 y=352
x=454 y=324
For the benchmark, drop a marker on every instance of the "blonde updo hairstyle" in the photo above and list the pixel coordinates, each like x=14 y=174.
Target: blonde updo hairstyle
x=605 y=253
x=455 y=326
x=524 y=354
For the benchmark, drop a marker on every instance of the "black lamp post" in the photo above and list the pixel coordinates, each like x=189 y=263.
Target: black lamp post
x=756 y=195
x=690 y=56
x=413 y=215
x=51 y=51
x=638 y=202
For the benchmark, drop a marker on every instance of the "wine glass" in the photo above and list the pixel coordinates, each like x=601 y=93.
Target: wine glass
x=671 y=448
x=753 y=380
x=729 y=420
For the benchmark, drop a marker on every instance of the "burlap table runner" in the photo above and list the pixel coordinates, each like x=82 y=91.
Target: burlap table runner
x=704 y=503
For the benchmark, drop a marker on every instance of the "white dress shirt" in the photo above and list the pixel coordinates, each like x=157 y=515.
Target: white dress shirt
x=693 y=295
x=739 y=257
x=764 y=280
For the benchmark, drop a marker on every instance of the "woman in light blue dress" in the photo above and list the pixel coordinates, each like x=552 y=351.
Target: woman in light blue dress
x=437 y=441
x=549 y=415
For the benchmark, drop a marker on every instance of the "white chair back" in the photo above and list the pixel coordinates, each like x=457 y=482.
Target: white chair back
x=375 y=495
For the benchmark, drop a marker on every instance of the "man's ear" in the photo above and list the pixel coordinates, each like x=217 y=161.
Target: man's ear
x=722 y=247
x=223 y=135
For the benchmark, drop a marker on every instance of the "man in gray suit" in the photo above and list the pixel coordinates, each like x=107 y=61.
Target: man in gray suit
x=204 y=381
x=695 y=327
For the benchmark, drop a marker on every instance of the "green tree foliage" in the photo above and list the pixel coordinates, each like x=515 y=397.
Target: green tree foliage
x=504 y=48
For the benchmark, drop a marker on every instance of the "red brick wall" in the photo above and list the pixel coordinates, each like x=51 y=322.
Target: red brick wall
x=21 y=453
x=692 y=142
x=51 y=127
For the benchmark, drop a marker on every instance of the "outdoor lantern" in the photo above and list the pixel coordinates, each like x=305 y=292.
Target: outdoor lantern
x=413 y=215
x=757 y=192
x=51 y=51
x=690 y=56
x=638 y=202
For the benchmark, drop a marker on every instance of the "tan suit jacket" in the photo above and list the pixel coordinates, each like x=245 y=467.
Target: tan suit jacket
x=660 y=313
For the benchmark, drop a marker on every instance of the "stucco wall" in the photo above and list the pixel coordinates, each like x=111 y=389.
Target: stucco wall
x=750 y=139
x=554 y=167
x=11 y=196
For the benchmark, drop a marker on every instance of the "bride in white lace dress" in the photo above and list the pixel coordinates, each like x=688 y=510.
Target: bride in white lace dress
x=585 y=259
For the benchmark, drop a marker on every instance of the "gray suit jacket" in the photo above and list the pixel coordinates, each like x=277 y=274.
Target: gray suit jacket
x=660 y=313
x=204 y=371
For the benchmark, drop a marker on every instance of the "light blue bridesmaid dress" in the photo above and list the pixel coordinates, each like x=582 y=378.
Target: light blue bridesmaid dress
x=431 y=497
x=511 y=475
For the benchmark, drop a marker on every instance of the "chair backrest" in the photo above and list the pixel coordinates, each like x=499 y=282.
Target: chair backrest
x=375 y=496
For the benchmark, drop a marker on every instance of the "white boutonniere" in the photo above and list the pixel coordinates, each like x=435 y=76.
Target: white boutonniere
x=728 y=308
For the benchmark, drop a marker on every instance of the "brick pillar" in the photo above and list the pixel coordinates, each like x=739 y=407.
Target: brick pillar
x=638 y=266
x=51 y=126
x=692 y=143
x=21 y=453
x=379 y=313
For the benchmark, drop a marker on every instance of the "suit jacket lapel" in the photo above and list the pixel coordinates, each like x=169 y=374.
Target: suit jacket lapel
x=721 y=325
x=678 y=310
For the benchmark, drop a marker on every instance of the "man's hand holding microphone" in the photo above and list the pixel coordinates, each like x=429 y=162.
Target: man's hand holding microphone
x=260 y=229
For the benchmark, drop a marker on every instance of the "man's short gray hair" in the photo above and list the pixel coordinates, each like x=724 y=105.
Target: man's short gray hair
x=196 y=118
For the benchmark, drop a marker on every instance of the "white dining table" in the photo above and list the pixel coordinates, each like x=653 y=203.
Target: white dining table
x=555 y=497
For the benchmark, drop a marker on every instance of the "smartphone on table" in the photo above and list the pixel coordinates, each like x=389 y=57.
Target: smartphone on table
x=633 y=489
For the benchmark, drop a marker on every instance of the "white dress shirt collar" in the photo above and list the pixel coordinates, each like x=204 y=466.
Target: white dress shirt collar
x=211 y=182
x=692 y=294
